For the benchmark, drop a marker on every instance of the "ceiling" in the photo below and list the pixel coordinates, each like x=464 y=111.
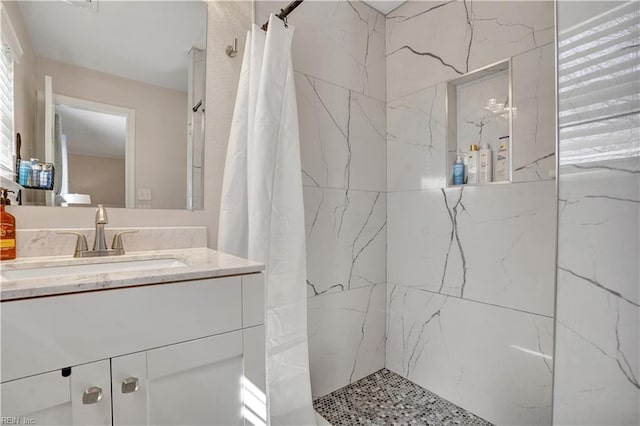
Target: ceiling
x=384 y=6
x=93 y=133
x=139 y=40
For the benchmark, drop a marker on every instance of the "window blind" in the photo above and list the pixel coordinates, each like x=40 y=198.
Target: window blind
x=7 y=163
x=599 y=87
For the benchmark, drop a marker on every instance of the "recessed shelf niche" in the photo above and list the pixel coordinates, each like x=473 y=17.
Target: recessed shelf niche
x=478 y=111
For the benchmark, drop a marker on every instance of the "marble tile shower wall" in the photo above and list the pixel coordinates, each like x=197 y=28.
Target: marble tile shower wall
x=597 y=353
x=339 y=61
x=598 y=357
x=470 y=270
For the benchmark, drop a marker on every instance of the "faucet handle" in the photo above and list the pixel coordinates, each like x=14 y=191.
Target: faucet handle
x=81 y=242
x=117 y=240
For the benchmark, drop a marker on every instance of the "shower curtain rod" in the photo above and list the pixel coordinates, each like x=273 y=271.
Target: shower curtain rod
x=284 y=12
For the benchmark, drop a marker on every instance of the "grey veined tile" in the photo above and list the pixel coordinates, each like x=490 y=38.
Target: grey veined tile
x=342 y=136
x=346 y=239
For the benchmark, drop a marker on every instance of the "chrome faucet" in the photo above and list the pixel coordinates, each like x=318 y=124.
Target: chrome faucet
x=99 y=242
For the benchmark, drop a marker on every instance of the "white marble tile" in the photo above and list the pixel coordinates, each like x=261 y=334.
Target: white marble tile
x=599 y=229
x=416 y=140
x=463 y=36
x=494 y=244
x=534 y=129
x=346 y=239
x=338 y=41
x=342 y=135
x=346 y=337
x=597 y=356
x=47 y=242
x=598 y=308
x=492 y=361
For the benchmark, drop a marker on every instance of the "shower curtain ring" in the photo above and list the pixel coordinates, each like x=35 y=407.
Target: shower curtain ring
x=284 y=19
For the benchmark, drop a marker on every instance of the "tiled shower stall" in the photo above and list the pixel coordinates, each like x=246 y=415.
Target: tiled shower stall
x=450 y=287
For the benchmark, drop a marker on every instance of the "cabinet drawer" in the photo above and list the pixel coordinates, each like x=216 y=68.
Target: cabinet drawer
x=50 y=333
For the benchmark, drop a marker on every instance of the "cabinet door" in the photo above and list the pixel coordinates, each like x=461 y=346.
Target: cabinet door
x=191 y=383
x=129 y=382
x=51 y=399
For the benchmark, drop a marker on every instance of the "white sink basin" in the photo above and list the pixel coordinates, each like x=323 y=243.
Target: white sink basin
x=90 y=268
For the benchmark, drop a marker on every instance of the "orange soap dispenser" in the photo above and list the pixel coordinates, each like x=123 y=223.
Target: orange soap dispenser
x=7 y=229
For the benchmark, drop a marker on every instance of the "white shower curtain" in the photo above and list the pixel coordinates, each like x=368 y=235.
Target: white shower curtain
x=262 y=213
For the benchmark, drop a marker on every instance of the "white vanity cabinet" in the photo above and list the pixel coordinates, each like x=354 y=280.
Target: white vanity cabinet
x=167 y=354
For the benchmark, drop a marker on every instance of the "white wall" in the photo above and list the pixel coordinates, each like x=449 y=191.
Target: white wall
x=470 y=270
x=226 y=20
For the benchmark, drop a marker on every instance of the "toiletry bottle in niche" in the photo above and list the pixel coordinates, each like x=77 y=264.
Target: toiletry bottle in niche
x=502 y=160
x=7 y=229
x=465 y=156
x=486 y=157
x=472 y=164
x=458 y=172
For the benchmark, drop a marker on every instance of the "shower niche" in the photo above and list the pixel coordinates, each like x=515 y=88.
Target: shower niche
x=479 y=110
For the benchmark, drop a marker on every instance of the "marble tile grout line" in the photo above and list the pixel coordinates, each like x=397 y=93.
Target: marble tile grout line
x=356 y=91
x=467 y=299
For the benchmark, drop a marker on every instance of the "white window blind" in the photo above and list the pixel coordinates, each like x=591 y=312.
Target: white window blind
x=599 y=87
x=7 y=163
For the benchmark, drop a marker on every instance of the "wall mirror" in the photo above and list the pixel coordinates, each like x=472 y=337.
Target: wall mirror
x=109 y=99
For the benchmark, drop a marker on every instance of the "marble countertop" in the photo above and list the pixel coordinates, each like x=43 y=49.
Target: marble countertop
x=199 y=263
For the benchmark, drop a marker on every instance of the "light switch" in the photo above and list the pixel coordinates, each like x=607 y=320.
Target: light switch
x=144 y=194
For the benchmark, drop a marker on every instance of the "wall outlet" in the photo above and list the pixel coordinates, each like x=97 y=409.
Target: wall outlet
x=144 y=194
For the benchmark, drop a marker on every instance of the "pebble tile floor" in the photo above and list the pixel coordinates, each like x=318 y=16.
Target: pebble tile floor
x=385 y=398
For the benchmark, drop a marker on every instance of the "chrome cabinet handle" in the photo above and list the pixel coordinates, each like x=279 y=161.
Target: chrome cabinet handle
x=130 y=385
x=92 y=395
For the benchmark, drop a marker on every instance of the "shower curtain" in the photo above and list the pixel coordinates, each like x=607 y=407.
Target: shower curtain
x=262 y=213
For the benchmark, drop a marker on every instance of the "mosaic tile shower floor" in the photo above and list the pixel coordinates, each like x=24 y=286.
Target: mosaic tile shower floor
x=385 y=398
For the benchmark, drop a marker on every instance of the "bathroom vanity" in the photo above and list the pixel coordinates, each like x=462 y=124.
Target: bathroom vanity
x=163 y=337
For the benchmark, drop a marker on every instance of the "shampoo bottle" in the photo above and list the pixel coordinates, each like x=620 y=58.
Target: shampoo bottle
x=486 y=157
x=502 y=159
x=472 y=164
x=7 y=229
x=458 y=172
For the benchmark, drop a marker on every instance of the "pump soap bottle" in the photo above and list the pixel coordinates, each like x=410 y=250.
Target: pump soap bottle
x=7 y=229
